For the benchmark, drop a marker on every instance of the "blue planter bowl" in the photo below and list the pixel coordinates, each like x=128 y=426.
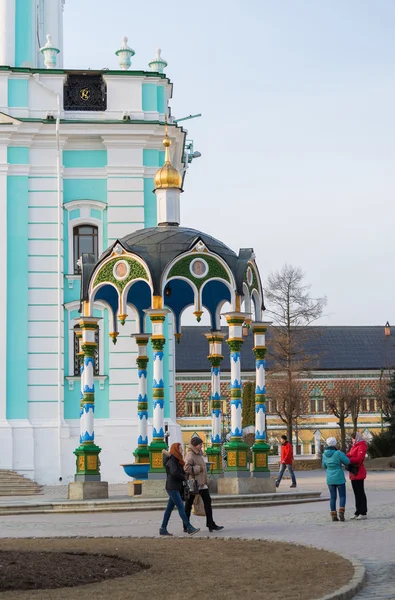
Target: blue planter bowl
x=138 y=471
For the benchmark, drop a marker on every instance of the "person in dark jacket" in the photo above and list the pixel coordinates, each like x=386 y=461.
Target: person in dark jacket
x=174 y=465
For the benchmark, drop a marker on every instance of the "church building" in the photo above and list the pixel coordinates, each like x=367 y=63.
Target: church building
x=79 y=150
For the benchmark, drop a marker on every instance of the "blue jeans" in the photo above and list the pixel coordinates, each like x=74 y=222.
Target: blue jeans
x=333 y=489
x=282 y=471
x=175 y=500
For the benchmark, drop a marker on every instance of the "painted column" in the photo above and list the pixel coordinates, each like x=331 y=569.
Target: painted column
x=142 y=453
x=88 y=453
x=236 y=448
x=7 y=33
x=215 y=339
x=260 y=450
x=78 y=334
x=158 y=341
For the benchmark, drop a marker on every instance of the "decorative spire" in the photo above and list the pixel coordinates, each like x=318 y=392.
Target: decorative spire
x=157 y=64
x=125 y=54
x=50 y=53
x=167 y=176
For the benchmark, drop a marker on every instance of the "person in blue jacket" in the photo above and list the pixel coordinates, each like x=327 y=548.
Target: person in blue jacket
x=332 y=461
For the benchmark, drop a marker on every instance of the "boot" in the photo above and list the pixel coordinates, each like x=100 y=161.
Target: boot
x=215 y=527
x=341 y=514
x=334 y=515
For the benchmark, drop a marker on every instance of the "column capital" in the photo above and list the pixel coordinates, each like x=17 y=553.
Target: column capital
x=260 y=326
x=157 y=314
x=142 y=339
x=88 y=322
x=215 y=336
x=236 y=318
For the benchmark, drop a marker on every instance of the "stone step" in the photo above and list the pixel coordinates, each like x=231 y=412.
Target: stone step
x=145 y=504
x=15 y=484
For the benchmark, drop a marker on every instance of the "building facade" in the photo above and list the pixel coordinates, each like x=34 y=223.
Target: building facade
x=78 y=155
x=360 y=358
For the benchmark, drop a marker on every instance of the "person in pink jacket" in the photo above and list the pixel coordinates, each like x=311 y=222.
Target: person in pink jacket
x=357 y=455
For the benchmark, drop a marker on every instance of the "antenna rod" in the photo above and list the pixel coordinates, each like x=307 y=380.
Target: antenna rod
x=187 y=118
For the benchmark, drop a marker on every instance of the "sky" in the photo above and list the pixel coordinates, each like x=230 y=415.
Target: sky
x=296 y=135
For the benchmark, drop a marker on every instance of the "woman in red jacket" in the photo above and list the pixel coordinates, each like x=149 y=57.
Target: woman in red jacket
x=357 y=455
x=287 y=456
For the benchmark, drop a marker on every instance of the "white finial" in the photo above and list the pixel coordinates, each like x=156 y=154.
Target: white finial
x=158 y=65
x=125 y=54
x=50 y=53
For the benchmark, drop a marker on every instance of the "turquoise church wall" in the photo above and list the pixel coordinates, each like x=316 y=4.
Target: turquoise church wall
x=18 y=155
x=25 y=43
x=85 y=189
x=84 y=159
x=81 y=189
x=17 y=293
x=18 y=93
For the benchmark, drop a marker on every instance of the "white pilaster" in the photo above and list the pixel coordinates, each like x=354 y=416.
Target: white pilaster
x=7 y=33
x=53 y=25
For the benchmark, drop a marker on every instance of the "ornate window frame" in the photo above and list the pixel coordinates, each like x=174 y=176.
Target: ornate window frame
x=85 y=218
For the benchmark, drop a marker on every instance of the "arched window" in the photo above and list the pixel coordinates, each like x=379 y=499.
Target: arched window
x=85 y=241
x=96 y=370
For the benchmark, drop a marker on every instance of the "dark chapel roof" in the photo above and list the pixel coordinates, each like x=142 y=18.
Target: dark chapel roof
x=158 y=246
x=336 y=348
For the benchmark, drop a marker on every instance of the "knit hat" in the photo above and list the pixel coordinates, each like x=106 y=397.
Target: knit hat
x=195 y=441
x=331 y=442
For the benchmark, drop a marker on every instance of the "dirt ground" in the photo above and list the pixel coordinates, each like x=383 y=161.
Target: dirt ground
x=182 y=568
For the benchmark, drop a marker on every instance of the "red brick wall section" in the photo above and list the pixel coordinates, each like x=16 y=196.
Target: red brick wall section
x=328 y=388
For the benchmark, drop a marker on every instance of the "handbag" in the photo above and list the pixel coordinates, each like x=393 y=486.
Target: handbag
x=185 y=491
x=193 y=485
x=198 y=506
x=352 y=468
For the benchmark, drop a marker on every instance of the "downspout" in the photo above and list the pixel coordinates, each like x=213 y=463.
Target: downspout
x=59 y=272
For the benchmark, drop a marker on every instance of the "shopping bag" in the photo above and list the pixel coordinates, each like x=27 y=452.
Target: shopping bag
x=198 y=506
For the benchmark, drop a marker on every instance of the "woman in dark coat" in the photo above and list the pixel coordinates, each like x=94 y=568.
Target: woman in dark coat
x=174 y=465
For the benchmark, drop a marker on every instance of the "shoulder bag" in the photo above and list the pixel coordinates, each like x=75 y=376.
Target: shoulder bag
x=193 y=484
x=185 y=491
x=352 y=468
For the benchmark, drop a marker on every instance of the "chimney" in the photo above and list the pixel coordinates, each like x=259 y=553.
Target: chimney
x=387 y=329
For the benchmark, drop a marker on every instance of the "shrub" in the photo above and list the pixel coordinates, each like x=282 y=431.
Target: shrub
x=382 y=444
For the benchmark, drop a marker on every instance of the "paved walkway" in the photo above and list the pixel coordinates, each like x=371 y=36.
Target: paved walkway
x=371 y=541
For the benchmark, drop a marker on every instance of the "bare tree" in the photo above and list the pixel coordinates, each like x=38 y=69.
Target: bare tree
x=293 y=311
x=340 y=407
x=355 y=400
x=384 y=402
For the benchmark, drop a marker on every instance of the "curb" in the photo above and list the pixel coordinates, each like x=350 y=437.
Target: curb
x=351 y=589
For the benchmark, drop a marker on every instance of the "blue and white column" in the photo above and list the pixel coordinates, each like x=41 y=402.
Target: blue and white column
x=87 y=453
x=158 y=341
x=215 y=339
x=236 y=448
x=260 y=450
x=141 y=453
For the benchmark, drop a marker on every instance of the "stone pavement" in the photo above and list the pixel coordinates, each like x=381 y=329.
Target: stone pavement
x=371 y=541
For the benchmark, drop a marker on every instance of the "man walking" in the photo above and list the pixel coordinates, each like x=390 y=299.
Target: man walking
x=287 y=456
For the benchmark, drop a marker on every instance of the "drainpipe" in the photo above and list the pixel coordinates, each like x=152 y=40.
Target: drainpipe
x=59 y=272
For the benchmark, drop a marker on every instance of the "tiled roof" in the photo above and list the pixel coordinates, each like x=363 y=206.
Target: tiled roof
x=335 y=348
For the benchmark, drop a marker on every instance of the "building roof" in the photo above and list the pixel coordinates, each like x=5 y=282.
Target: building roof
x=335 y=349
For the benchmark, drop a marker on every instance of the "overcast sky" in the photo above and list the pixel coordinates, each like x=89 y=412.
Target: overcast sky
x=297 y=132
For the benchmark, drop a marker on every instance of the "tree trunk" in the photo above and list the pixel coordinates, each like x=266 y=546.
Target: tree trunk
x=342 y=434
x=289 y=429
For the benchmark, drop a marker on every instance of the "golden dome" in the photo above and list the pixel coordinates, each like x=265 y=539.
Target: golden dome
x=167 y=176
